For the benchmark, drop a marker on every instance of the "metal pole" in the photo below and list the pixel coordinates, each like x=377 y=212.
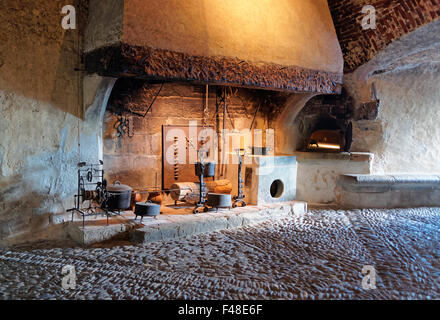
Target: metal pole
x=223 y=133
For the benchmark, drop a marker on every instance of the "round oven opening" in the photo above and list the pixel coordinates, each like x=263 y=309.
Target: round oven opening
x=277 y=189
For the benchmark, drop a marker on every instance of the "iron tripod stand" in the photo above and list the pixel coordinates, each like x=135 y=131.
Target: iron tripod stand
x=87 y=176
x=239 y=198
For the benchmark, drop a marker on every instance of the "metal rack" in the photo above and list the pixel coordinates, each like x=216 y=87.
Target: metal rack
x=93 y=187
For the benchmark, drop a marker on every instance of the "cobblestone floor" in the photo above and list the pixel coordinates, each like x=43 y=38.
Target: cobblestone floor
x=319 y=255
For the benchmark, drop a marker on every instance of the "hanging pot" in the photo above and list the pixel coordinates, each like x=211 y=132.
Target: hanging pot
x=209 y=169
x=119 y=196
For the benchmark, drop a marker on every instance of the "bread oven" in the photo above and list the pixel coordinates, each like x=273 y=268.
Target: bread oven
x=328 y=134
x=328 y=140
x=324 y=124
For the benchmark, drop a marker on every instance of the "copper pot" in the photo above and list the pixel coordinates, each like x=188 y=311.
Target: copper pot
x=156 y=197
x=135 y=197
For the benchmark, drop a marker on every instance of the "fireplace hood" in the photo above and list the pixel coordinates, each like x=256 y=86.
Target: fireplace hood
x=288 y=45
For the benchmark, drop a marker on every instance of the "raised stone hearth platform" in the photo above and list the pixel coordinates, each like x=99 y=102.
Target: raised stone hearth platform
x=389 y=191
x=179 y=223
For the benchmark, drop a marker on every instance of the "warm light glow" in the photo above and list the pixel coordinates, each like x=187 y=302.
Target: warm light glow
x=328 y=146
x=320 y=145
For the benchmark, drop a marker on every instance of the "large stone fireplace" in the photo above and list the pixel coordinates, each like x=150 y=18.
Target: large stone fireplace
x=134 y=68
x=169 y=83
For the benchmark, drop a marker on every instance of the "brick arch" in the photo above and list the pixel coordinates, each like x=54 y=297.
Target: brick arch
x=395 y=18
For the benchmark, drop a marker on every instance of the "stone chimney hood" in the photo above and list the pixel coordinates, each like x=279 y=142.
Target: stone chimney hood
x=287 y=45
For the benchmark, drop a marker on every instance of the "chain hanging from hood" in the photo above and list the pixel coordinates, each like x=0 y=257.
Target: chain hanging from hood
x=203 y=138
x=206 y=108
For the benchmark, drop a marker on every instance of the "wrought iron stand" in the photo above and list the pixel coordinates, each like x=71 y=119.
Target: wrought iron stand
x=239 y=198
x=91 y=186
x=202 y=190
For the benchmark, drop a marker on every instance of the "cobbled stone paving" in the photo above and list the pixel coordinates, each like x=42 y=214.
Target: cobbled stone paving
x=318 y=255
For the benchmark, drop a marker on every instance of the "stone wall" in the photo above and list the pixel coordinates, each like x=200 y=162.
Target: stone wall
x=405 y=137
x=41 y=103
x=318 y=174
x=395 y=18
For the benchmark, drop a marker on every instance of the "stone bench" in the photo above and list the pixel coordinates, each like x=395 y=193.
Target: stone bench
x=388 y=191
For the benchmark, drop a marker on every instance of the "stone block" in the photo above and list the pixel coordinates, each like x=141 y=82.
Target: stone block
x=270 y=179
x=146 y=235
x=95 y=233
x=367 y=111
x=169 y=231
x=234 y=221
x=389 y=191
x=318 y=175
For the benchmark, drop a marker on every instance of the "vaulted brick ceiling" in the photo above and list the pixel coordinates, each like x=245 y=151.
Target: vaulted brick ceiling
x=395 y=18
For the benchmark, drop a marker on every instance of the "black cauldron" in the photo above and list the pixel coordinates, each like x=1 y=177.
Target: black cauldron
x=148 y=209
x=219 y=200
x=119 y=196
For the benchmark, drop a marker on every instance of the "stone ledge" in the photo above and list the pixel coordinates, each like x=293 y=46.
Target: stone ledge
x=389 y=191
x=183 y=226
x=341 y=156
x=97 y=233
x=382 y=183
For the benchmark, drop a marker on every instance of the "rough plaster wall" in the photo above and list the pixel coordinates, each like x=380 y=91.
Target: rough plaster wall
x=36 y=146
x=38 y=56
x=105 y=23
x=317 y=178
x=285 y=129
x=404 y=137
x=287 y=32
x=40 y=97
x=407 y=138
x=38 y=157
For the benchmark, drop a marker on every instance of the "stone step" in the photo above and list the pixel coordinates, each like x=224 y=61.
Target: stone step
x=96 y=233
x=171 y=225
x=177 y=226
x=389 y=191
